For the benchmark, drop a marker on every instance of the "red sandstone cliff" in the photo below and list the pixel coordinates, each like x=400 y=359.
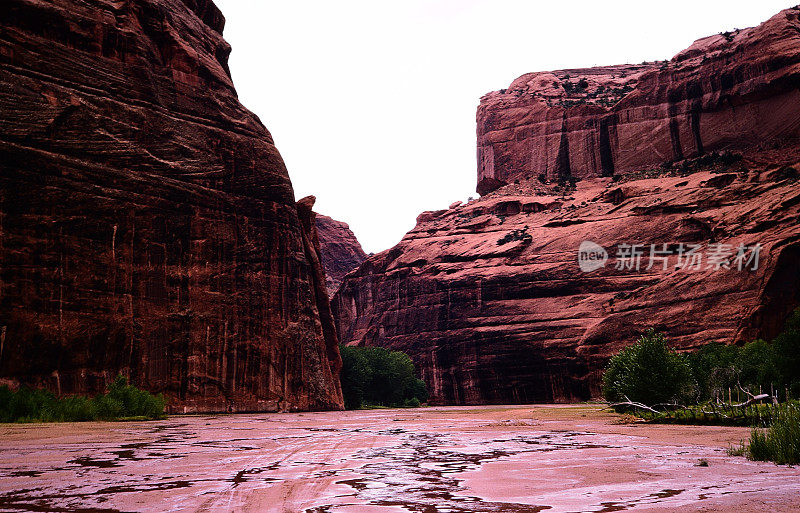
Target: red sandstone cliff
x=147 y=221
x=489 y=299
x=737 y=90
x=341 y=252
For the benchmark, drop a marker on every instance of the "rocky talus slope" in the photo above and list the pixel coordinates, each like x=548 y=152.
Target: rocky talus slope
x=147 y=222
x=490 y=298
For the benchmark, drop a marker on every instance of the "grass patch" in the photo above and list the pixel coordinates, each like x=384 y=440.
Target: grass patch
x=775 y=434
x=710 y=414
x=781 y=441
x=121 y=402
x=738 y=451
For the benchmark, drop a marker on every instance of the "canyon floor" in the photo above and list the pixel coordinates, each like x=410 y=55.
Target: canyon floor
x=573 y=458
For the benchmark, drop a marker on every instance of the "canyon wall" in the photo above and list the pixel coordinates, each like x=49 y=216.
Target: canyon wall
x=340 y=249
x=737 y=90
x=147 y=221
x=489 y=298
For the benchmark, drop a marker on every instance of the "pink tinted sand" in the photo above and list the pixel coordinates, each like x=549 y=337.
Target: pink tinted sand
x=504 y=459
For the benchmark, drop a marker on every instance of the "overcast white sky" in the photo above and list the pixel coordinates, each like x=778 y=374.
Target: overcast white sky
x=372 y=102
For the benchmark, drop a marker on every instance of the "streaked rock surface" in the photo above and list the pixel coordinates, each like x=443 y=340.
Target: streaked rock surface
x=488 y=297
x=738 y=90
x=341 y=252
x=147 y=222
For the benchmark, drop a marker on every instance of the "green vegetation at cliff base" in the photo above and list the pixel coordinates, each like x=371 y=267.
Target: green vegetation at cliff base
x=121 y=402
x=754 y=385
x=376 y=377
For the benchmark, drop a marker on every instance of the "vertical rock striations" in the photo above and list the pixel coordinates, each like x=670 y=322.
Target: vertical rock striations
x=147 y=221
x=489 y=299
x=737 y=90
x=340 y=249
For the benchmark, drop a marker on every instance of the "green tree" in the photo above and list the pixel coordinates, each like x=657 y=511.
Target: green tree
x=757 y=367
x=787 y=351
x=379 y=377
x=714 y=369
x=356 y=375
x=648 y=372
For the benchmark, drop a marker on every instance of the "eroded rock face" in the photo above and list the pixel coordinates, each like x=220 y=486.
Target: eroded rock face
x=340 y=249
x=738 y=90
x=489 y=298
x=148 y=221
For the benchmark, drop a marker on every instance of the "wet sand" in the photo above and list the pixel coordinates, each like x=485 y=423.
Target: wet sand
x=457 y=459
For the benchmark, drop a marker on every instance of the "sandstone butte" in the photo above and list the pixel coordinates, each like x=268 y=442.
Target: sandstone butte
x=488 y=297
x=340 y=250
x=148 y=224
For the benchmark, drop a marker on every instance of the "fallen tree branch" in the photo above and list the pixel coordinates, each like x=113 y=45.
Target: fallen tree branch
x=754 y=399
x=672 y=406
x=632 y=404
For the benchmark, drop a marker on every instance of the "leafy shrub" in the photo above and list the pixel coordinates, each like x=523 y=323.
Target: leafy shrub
x=121 y=401
x=648 y=372
x=759 y=448
x=516 y=235
x=124 y=400
x=378 y=377
x=26 y=404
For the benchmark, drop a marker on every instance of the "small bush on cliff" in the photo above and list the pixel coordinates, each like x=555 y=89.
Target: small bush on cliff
x=122 y=401
x=375 y=376
x=648 y=372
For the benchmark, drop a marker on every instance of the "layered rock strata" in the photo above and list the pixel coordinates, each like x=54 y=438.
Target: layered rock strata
x=147 y=222
x=732 y=91
x=490 y=299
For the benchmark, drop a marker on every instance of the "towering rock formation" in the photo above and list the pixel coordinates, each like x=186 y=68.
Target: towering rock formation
x=147 y=221
x=489 y=298
x=737 y=90
x=340 y=249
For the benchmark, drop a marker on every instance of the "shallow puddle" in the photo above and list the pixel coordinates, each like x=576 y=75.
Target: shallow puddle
x=435 y=460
